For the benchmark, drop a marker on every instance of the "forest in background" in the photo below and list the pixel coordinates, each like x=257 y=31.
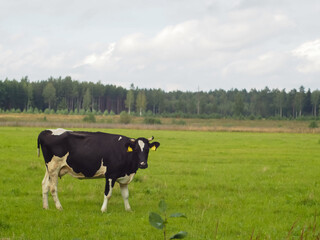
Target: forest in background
x=68 y=96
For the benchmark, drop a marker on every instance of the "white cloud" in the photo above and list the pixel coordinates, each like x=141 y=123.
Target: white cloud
x=262 y=65
x=98 y=60
x=206 y=44
x=197 y=38
x=309 y=53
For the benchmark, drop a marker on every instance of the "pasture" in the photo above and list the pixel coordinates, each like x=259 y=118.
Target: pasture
x=231 y=185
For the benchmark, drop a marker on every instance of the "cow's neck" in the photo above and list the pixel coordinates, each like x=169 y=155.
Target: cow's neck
x=133 y=164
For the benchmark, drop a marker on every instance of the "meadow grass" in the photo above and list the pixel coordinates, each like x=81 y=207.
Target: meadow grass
x=230 y=185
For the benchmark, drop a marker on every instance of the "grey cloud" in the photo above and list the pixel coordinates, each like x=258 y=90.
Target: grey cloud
x=176 y=44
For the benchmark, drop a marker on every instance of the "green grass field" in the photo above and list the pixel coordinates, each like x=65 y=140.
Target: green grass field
x=230 y=186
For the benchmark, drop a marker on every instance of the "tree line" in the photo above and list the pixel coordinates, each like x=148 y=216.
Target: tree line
x=71 y=96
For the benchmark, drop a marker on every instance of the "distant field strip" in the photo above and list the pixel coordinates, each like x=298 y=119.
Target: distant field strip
x=230 y=185
x=192 y=124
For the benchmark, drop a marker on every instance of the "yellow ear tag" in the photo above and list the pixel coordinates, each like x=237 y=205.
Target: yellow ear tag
x=129 y=149
x=153 y=148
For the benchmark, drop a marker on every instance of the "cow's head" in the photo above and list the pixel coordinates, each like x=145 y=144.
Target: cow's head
x=141 y=147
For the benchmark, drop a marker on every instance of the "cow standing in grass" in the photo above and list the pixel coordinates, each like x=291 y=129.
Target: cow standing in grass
x=92 y=155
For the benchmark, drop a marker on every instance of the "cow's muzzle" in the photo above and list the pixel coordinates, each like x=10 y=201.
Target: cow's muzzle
x=143 y=165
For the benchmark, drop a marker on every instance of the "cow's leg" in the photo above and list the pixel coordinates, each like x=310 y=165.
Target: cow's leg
x=53 y=182
x=125 y=196
x=107 y=194
x=45 y=190
x=53 y=170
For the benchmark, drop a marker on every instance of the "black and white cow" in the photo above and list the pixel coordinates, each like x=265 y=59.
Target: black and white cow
x=92 y=155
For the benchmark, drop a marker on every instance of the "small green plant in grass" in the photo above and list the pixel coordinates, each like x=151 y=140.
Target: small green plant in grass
x=158 y=222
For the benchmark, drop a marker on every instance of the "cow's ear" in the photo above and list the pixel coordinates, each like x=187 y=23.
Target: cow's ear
x=129 y=147
x=153 y=146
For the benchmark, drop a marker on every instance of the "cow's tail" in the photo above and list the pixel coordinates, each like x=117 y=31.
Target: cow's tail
x=39 y=146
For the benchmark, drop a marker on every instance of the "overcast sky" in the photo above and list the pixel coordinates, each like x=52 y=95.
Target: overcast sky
x=172 y=45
